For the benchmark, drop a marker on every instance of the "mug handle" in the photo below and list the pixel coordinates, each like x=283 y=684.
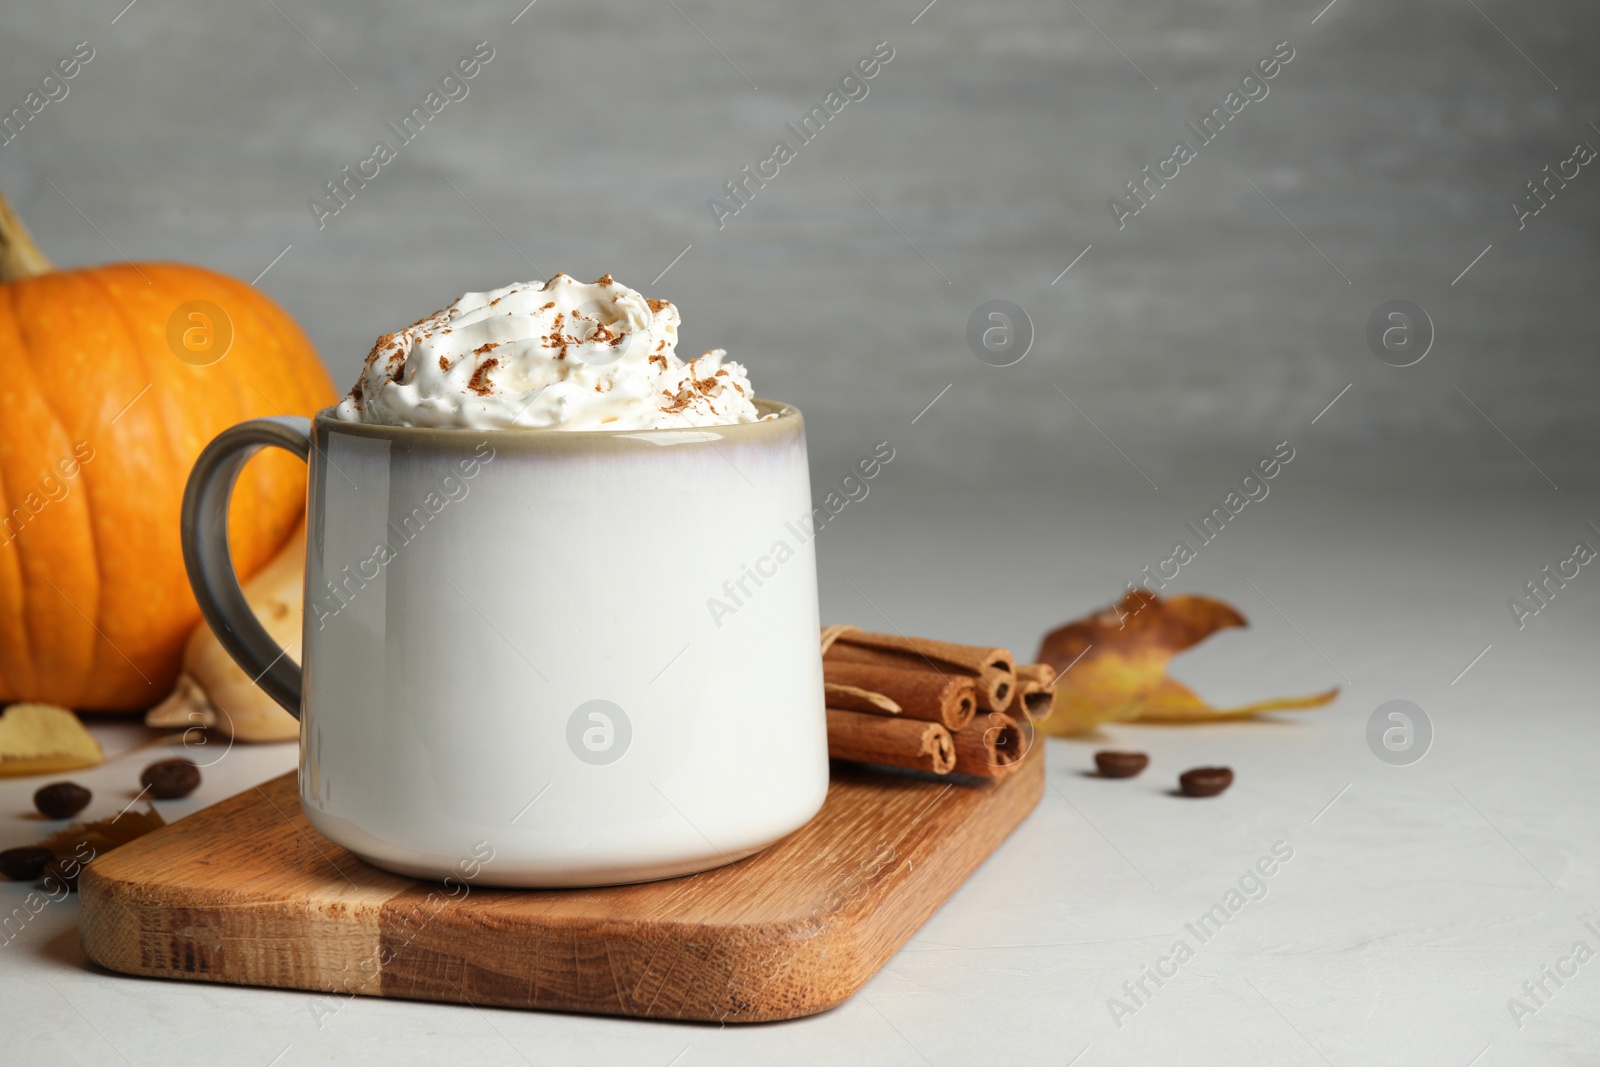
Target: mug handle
x=209 y=561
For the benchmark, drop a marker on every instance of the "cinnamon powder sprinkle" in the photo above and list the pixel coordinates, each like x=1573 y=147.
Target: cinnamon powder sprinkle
x=680 y=402
x=555 y=339
x=442 y=312
x=386 y=341
x=480 y=378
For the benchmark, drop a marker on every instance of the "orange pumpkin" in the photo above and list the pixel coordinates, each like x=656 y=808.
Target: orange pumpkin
x=108 y=392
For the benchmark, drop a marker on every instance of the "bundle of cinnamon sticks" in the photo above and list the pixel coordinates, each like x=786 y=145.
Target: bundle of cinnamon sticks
x=930 y=705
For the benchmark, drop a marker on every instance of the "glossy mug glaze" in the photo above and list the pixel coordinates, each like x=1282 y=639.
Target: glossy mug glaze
x=590 y=656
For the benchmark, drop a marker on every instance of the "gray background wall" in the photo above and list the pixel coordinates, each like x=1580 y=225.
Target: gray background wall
x=1195 y=339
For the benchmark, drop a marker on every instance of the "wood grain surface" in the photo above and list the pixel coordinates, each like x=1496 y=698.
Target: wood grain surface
x=247 y=892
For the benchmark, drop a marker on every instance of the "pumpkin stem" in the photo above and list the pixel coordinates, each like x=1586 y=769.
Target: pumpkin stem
x=19 y=256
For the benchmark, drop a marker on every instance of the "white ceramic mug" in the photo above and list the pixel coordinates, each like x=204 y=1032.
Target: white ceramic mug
x=589 y=656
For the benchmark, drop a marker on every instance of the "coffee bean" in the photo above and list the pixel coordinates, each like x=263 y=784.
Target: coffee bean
x=169 y=779
x=61 y=800
x=24 y=864
x=1205 y=781
x=1114 y=764
x=62 y=871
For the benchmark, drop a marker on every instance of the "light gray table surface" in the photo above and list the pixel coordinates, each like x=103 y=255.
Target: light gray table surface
x=1225 y=317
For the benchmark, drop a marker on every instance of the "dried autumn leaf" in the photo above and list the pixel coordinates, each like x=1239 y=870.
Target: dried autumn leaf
x=44 y=739
x=1118 y=659
x=1174 y=702
x=102 y=835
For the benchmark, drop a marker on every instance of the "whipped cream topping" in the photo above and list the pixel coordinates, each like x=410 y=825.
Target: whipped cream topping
x=556 y=355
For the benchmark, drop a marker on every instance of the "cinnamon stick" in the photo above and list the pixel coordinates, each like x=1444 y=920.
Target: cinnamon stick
x=1035 y=693
x=949 y=700
x=856 y=698
x=995 y=687
x=896 y=741
x=830 y=634
x=993 y=746
x=990 y=667
x=1040 y=674
x=973 y=659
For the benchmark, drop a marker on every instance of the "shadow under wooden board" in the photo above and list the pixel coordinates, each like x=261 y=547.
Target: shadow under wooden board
x=247 y=892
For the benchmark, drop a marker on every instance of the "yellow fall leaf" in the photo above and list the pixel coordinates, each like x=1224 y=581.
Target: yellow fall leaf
x=1112 y=665
x=44 y=739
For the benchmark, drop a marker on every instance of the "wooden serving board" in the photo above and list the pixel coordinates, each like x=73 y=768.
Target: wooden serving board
x=247 y=892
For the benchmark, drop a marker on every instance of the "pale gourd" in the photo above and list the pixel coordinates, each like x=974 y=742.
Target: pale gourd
x=213 y=691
